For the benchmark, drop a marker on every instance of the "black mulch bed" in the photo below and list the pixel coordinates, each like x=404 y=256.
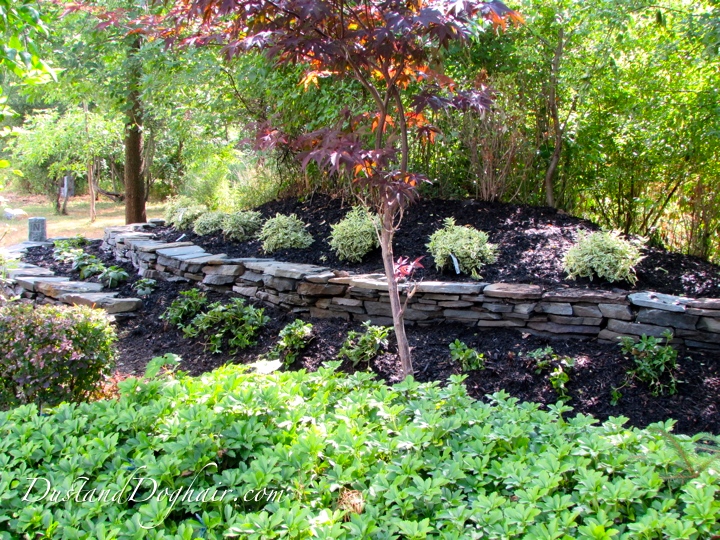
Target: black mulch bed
x=531 y=240
x=598 y=368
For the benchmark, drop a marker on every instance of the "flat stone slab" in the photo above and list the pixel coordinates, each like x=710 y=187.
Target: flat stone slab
x=449 y=287
x=709 y=324
x=661 y=317
x=28 y=283
x=29 y=270
x=665 y=302
x=322 y=277
x=376 y=282
x=704 y=303
x=55 y=289
x=518 y=291
x=180 y=251
x=556 y=308
x=556 y=328
x=293 y=270
x=220 y=258
x=151 y=246
x=106 y=301
x=636 y=329
x=585 y=295
x=259 y=265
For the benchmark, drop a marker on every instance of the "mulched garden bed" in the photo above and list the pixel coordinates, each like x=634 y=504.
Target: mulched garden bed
x=531 y=242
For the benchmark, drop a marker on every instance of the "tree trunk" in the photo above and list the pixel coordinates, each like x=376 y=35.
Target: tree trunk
x=134 y=185
x=386 y=238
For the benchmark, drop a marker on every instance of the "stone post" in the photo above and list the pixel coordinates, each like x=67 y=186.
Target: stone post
x=37 y=229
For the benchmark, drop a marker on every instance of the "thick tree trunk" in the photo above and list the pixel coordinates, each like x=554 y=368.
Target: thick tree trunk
x=386 y=237
x=134 y=185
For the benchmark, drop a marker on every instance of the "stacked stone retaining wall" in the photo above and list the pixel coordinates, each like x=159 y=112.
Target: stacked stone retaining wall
x=317 y=291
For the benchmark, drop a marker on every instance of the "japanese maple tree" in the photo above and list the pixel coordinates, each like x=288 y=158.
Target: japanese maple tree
x=386 y=46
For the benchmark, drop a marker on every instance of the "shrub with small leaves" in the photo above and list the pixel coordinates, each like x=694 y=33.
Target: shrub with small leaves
x=66 y=250
x=173 y=206
x=144 y=286
x=469 y=247
x=605 y=255
x=52 y=353
x=283 y=232
x=355 y=236
x=235 y=322
x=545 y=358
x=241 y=226
x=185 y=217
x=184 y=308
x=114 y=276
x=291 y=341
x=364 y=346
x=655 y=364
x=468 y=358
x=209 y=223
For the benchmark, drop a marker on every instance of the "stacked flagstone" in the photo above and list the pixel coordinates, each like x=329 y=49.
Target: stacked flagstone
x=318 y=291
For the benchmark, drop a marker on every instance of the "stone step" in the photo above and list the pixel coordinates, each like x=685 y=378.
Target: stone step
x=55 y=289
x=103 y=300
x=28 y=283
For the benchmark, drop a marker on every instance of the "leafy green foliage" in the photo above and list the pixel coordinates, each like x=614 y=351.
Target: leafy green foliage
x=543 y=359
x=512 y=470
x=144 y=286
x=184 y=308
x=241 y=226
x=234 y=322
x=605 y=255
x=468 y=358
x=184 y=217
x=167 y=363
x=66 y=250
x=655 y=364
x=293 y=338
x=52 y=354
x=209 y=223
x=283 y=232
x=364 y=346
x=114 y=276
x=355 y=236
x=469 y=246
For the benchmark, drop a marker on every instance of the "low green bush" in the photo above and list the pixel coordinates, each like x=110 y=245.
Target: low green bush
x=144 y=286
x=113 y=276
x=469 y=246
x=283 y=232
x=185 y=307
x=234 y=322
x=605 y=255
x=655 y=364
x=232 y=454
x=50 y=354
x=174 y=205
x=209 y=223
x=355 y=235
x=364 y=346
x=292 y=339
x=241 y=226
x=468 y=358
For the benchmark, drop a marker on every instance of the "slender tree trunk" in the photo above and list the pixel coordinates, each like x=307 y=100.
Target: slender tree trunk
x=134 y=185
x=386 y=238
x=555 y=115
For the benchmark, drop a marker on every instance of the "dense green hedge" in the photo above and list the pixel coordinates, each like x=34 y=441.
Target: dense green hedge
x=297 y=455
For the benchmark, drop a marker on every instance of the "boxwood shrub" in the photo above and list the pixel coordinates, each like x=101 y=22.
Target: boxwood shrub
x=325 y=455
x=468 y=245
x=606 y=255
x=49 y=354
x=355 y=235
x=283 y=232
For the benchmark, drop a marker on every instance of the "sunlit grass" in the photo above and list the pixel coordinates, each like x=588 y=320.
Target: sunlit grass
x=76 y=222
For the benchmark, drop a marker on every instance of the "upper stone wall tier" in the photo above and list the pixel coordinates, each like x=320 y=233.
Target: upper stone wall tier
x=317 y=291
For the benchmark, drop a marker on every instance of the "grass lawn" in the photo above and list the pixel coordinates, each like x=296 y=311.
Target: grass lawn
x=76 y=222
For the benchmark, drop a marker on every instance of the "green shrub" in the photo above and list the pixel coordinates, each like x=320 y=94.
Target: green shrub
x=274 y=456
x=235 y=322
x=184 y=308
x=364 y=346
x=469 y=246
x=605 y=255
x=173 y=206
x=283 y=232
x=144 y=286
x=66 y=250
x=355 y=236
x=209 y=223
x=52 y=354
x=468 y=358
x=114 y=276
x=241 y=226
x=655 y=364
x=291 y=341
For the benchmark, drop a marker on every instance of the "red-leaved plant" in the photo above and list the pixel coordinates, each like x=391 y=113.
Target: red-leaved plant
x=386 y=46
